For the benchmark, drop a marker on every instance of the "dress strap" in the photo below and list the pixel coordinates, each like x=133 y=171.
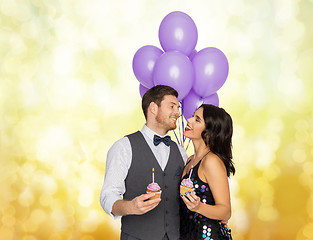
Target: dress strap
x=199 y=160
x=188 y=161
x=204 y=155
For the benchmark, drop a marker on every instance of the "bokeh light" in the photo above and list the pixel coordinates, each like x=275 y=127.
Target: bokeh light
x=67 y=93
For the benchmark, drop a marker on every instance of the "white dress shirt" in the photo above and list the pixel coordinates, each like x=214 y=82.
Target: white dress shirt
x=118 y=163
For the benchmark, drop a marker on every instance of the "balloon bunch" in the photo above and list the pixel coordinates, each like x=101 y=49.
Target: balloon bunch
x=196 y=76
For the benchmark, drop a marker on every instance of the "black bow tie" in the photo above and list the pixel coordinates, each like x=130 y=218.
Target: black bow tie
x=157 y=139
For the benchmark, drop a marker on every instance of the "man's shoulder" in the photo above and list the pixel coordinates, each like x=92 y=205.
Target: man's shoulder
x=132 y=134
x=182 y=151
x=120 y=144
x=123 y=142
x=178 y=145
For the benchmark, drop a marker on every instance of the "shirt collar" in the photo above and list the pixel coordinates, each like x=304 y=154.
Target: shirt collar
x=149 y=133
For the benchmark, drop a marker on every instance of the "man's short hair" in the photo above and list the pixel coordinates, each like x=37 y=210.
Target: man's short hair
x=156 y=95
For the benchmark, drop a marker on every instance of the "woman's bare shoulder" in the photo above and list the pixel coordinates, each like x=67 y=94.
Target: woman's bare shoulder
x=212 y=162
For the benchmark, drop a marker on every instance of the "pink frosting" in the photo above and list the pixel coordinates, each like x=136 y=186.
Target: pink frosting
x=153 y=187
x=187 y=182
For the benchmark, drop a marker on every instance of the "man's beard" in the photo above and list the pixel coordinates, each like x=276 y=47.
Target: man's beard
x=167 y=125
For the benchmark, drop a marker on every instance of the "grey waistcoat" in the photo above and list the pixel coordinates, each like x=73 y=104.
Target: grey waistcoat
x=165 y=217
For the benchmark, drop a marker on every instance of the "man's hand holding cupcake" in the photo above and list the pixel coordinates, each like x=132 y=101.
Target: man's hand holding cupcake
x=146 y=202
x=143 y=203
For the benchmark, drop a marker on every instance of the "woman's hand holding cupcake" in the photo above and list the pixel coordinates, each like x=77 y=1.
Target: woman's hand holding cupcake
x=192 y=201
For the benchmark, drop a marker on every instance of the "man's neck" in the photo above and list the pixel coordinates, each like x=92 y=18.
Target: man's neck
x=156 y=129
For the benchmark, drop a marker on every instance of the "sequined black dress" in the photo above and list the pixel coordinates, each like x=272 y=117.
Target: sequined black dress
x=194 y=226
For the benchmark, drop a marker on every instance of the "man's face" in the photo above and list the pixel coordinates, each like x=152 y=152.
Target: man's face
x=168 y=112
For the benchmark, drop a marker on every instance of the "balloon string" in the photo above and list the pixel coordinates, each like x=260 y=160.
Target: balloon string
x=188 y=144
x=182 y=121
x=176 y=137
x=183 y=128
x=179 y=130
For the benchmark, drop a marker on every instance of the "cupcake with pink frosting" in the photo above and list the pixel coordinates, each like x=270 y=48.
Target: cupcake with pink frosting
x=186 y=184
x=154 y=188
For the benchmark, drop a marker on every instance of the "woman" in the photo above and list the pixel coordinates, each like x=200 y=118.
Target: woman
x=202 y=211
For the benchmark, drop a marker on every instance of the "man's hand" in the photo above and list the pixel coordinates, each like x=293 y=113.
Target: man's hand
x=140 y=205
x=225 y=223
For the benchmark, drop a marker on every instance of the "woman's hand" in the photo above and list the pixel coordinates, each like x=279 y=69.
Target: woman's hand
x=192 y=201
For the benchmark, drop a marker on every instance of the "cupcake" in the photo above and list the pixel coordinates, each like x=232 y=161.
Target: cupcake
x=186 y=185
x=154 y=188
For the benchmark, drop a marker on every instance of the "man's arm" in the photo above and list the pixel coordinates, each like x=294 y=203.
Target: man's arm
x=117 y=165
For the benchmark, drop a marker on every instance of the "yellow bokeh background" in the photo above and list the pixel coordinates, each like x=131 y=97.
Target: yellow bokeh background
x=67 y=93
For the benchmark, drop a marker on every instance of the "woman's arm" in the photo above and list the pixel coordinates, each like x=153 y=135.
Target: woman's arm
x=212 y=171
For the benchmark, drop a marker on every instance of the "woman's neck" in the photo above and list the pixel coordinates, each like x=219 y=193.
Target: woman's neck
x=200 y=148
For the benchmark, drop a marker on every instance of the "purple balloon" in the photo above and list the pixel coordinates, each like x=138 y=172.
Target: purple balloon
x=193 y=101
x=174 y=69
x=143 y=64
x=212 y=99
x=211 y=70
x=178 y=32
x=142 y=90
x=192 y=54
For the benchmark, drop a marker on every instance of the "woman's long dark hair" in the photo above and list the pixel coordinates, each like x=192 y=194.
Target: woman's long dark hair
x=218 y=134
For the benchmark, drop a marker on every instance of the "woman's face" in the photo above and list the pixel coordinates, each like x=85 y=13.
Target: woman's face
x=195 y=125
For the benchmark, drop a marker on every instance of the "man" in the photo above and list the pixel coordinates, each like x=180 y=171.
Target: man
x=129 y=170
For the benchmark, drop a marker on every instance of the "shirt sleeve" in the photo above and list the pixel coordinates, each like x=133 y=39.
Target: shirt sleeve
x=183 y=153
x=117 y=165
